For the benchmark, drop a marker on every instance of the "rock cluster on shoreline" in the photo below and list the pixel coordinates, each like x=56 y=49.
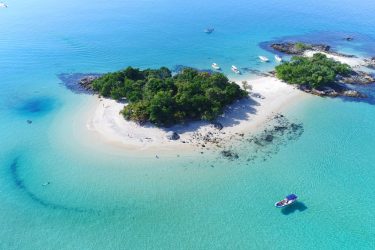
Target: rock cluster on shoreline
x=86 y=81
x=298 y=48
x=334 y=90
x=291 y=48
x=370 y=62
x=79 y=83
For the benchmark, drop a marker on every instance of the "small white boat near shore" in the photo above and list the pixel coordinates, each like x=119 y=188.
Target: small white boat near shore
x=235 y=69
x=278 y=58
x=263 y=59
x=215 y=66
x=3 y=5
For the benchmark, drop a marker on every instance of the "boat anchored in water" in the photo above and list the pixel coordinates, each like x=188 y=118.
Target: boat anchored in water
x=209 y=30
x=235 y=69
x=46 y=183
x=278 y=58
x=215 y=66
x=289 y=199
x=263 y=59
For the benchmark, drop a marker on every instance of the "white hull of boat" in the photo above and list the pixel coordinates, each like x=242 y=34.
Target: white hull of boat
x=235 y=70
x=215 y=66
x=278 y=58
x=263 y=59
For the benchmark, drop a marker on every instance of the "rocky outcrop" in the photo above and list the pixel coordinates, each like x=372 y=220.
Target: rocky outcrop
x=298 y=48
x=356 y=77
x=79 y=83
x=173 y=136
x=86 y=82
x=370 y=63
x=333 y=90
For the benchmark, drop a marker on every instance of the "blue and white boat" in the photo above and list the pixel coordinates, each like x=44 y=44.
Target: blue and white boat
x=289 y=199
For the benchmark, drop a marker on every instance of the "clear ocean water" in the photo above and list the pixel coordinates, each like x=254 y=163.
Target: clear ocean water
x=105 y=198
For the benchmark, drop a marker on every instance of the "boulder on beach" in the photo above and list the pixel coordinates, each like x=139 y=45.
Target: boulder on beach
x=172 y=136
x=218 y=125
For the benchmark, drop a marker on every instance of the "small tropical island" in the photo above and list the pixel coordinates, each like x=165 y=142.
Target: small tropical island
x=316 y=69
x=155 y=96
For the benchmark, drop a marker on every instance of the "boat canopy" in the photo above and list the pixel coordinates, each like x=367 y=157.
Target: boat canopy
x=291 y=197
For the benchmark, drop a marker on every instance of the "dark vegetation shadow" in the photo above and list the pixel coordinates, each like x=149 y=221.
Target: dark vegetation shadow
x=239 y=111
x=296 y=206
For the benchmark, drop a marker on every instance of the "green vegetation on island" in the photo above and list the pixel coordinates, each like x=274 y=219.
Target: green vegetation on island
x=302 y=46
x=158 y=97
x=314 y=72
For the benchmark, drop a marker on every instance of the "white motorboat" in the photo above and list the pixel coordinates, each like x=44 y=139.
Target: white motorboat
x=278 y=58
x=263 y=58
x=235 y=69
x=3 y=5
x=215 y=66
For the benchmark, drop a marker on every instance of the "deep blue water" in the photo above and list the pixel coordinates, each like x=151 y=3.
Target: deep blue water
x=104 y=198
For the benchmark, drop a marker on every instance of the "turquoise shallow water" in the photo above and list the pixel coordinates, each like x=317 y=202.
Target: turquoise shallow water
x=101 y=198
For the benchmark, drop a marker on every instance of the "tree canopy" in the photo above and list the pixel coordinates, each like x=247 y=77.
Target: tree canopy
x=315 y=71
x=162 y=99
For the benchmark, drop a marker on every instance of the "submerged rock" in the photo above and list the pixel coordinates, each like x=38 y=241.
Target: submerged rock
x=268 y=138
x=229 y=154
x=349 y=38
